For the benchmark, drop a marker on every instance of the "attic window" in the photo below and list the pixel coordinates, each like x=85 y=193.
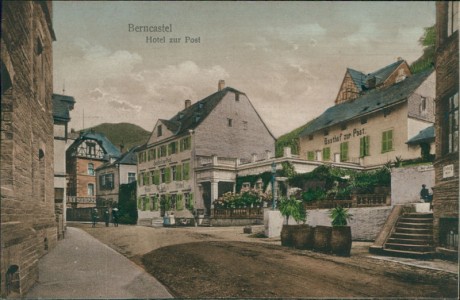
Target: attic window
x=200 y=105
x=326 y=132
x=363 y=120
x=197 y=118
x=181 y=116
x=386 y=112
x=237 y=97
x=310 y=137
x=159 y=130
x=343 y=126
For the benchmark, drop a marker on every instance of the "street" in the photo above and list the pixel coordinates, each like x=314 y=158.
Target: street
x=224 y=262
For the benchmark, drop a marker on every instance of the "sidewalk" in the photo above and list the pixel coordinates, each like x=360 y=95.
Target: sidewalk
x=82 y=267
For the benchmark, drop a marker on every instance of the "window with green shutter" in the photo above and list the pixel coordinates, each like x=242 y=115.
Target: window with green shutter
x=344 y=151
x=327 y=153
x=154 y=152
x=364 y=146
x=145 y=178
x=179 y=202
x=155 y=205
x=172 y=148
x=387 y=141
x=186 y=172
x=311 y=155
x=152 y=177
x=157 y=177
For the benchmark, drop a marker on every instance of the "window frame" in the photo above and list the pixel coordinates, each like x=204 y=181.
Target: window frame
x=387 y=142
x=344 y=155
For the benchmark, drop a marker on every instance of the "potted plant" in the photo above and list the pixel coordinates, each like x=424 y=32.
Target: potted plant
x=341 y=233
x=299 y=236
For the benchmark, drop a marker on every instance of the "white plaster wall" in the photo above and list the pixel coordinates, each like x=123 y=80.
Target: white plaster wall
x=406 y=183
x=124 y=170
x=414 y=126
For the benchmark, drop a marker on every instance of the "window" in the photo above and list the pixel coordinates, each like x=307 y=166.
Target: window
x=90 y=189
x=145 y=178
x=58 y=195
x=106 y=181
x=310 y=155
x=131 y=177
x=310 y=137
x=186 y=170
x=245 y=125
x=188 y=200
x=163 y=175
x=364 y=146
x=452 y=128
x=174 y=173
x=386 y=112
x=156 y=178
x=387 y=141
x=173 y=148
x=363 y=120
x=159 y=130
x=327 y=153
x=230 y=122
x=152 y=177
x=344 y=151
x=185 y=144
x=422 y=104
x=91 y=169
x=237 y=97
x=90 y=149
x=326 y=132
x=162 y=151
x=452 y=17
x=168 y=175
x=178 y=172
x=343 y=126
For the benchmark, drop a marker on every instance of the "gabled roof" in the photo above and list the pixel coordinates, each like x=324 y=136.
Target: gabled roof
x=192 y=116
x=128 y=158
x=373 y=100
x=105 y=143
x=426 y=135
x=61 y=106
x=360 y=79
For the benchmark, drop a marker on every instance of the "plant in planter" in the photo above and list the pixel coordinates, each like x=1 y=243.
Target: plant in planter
x=299 y=236
x=341 y=233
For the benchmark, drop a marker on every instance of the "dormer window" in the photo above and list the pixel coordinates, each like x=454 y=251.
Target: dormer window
x=181 y=116
x=310 y=137
x=237 y=97
x=343 y=126
x=422 y=104
x=200 y=105
x=159 y=130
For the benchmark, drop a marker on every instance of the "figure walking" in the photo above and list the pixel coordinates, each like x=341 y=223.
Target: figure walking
x=115 y=216
x=106 y=217
x=94 y=216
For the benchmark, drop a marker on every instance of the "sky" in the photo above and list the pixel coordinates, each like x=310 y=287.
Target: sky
x=288 y=57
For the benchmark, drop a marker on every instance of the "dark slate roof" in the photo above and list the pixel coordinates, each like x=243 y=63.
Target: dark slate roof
x=61 y=106
x=360 y=79
x=372 y=101
x=128 y=158
x=105 y=143
x=191 y=117
x=425 y=135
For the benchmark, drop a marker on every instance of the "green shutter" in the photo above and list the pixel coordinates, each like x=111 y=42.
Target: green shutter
x=326 y=153
x=191 y=201
x=310 y=155
x=179 y=172
x=186 y=171
x=168 y=175
x=344 y=151
x=157 y=177
x=366 y=149
x=362 y=146
x=139 y=203
x=390 y=140
x=154 y=150
x=179 y=202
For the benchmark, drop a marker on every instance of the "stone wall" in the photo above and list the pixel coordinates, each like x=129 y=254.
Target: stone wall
x=446 y=191
x=406 y=183
x=28 y=224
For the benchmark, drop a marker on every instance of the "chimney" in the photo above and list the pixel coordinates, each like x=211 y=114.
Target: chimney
x=221 y=85
x=188 y=103
x=399 y=58
x=122 y=147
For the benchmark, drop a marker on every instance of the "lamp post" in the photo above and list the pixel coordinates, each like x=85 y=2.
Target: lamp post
x=273 y=185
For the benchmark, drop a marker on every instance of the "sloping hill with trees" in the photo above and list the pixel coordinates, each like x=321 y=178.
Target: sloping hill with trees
x=128 y=134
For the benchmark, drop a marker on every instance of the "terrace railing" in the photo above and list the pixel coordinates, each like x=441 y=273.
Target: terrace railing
x=238 y=213
x=358 y=200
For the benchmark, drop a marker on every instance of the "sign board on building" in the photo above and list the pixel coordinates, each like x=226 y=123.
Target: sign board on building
x=448 y=171
x=425 y=168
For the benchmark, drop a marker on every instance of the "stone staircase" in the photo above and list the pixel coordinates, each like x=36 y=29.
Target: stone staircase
x=412 y=236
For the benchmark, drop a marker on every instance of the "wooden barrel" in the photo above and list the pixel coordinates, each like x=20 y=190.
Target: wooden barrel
x=322 y=239
x=341 y=240
x=302 y=237
x=286 y=235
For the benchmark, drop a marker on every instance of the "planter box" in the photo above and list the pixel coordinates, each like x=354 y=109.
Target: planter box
x=322 y=239
x=341 y=240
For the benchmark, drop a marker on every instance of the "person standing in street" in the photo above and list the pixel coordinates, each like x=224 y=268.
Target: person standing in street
x=94 y=216
x=115 y=216
x=424 y=193
x=106 y=217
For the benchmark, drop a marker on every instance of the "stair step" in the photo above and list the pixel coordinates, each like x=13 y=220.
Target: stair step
x=413 y=230
x=426 y=242
x=409 y=247
x=414 y=225
x=418 y=215
x=416 y=220
x=403 y=253
x=411 y=236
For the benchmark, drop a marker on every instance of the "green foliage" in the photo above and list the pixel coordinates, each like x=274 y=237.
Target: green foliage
x=129 y=135
x=290 y=139
x=287 y=169
x=340 y=216
x=426 y=61
x=127 y=203
x=252 y=179
x=314 y=194
x=292 y=208
x=247 y=198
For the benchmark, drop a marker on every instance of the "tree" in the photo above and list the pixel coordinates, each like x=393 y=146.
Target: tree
x=428 y=41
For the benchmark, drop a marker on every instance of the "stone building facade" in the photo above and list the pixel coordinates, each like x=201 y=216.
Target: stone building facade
x=224 y=124
x=446 y=191
x=378 y=124
x=87 y=153
x=111 y=175
x=28 y=221
x=62 y=105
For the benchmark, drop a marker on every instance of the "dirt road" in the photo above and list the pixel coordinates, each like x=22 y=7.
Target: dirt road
x=224 y=262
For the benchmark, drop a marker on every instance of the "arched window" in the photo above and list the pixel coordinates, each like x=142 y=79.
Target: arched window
x=91 y=169
x=90 y=189
x=12 y=280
